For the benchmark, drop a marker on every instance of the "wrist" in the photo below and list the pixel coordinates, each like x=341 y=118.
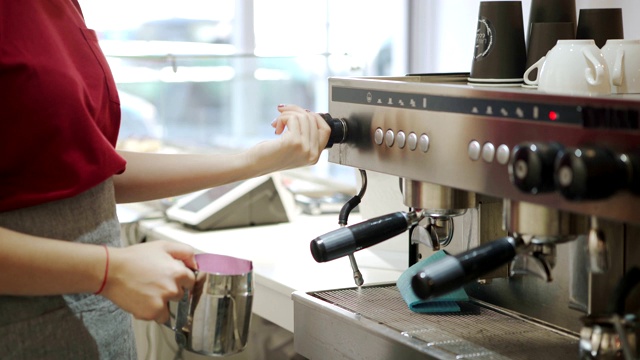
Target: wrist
x=105 y=273
x=263 y=158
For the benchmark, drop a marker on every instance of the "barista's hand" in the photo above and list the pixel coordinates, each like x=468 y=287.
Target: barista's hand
x=301 y=144
x=143 y=278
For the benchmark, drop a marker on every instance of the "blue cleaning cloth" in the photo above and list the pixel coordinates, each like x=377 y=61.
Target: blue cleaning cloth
x=442 y=304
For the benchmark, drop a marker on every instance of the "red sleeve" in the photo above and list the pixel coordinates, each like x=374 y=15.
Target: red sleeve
x=59 y=107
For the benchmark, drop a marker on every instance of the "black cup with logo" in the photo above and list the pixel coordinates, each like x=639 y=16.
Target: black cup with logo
x=600 y=25
x=500 y=54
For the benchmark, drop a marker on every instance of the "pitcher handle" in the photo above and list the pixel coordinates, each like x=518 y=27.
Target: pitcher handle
x=597 y=66
x=180 y=319
x=535 y=65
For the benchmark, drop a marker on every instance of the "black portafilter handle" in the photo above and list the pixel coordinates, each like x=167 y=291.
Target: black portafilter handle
x=452 y=272
x=338 y=129
x=349 y=239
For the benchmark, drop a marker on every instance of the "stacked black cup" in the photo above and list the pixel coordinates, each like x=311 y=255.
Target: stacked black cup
x=600 y=25
x=549 y=21
x=500 y=52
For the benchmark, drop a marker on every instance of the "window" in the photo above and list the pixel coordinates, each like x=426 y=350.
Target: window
x=209 y=74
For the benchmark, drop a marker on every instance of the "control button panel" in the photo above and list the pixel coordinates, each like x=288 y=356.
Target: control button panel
x=389 y=138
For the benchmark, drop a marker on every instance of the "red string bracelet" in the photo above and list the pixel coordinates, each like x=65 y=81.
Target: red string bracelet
x=106 y=271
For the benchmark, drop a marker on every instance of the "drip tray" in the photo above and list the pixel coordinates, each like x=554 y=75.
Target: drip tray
x=374 y=322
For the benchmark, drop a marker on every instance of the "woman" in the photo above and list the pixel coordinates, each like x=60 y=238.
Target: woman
x=66 y=285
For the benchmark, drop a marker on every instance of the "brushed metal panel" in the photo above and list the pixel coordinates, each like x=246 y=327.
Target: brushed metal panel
x=447 y=161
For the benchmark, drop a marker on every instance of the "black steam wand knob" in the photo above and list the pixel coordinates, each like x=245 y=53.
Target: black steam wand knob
x=452 y=272
x=531 y=166
x=338 y=129
x=590 y=173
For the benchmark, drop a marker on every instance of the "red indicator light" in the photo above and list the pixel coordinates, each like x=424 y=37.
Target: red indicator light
x=553 y=116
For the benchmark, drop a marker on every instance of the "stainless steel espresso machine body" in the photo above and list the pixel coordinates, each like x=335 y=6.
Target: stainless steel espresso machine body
x=553 y=178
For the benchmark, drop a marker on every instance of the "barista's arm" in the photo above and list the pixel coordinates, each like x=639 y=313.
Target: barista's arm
x=155 y=176
x=141 y=278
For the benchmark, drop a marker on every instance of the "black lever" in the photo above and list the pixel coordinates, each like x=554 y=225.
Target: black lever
x=349 y=239
x=338 y=129
x=452 y=272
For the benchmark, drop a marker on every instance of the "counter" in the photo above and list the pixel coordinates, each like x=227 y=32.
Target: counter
x=282 y=260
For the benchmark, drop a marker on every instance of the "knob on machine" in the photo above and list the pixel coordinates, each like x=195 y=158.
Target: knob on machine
x=585 y=173
x=338 y=129
x=531 y=166
x=590 y=173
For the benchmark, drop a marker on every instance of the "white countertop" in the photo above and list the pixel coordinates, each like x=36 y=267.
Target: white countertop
x=282 y=260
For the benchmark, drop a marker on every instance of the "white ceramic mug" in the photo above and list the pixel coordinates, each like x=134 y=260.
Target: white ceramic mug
x=623 y=60
x=574 y=67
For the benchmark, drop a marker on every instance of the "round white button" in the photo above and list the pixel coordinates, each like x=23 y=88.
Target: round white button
x=401 y=139
x=502 y=155
x=424 y=143
x=378 y=136
x=412 y=141
x=389 y=138
x=474 y=150
x=488 y=152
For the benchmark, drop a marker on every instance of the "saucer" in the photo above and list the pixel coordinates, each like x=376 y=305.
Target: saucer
x=494 y=81
x=495 y=84
x=527 y=86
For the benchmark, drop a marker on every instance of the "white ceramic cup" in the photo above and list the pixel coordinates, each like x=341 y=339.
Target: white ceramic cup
x=623 y=60
x=574 y=67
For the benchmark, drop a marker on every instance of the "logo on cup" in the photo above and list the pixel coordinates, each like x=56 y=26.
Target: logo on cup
x=484 y=39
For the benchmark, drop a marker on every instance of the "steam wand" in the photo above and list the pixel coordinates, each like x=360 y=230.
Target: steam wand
x=343 y=220
x=348 y=239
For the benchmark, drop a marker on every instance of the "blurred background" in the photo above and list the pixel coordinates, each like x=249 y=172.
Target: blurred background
x=207 y=75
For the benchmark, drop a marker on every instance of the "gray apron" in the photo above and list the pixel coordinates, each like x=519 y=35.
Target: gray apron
x=79 y=326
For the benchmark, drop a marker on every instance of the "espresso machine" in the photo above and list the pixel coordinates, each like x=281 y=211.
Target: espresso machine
x=535 y=198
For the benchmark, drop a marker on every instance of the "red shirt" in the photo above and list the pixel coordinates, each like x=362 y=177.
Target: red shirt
x=59 y=107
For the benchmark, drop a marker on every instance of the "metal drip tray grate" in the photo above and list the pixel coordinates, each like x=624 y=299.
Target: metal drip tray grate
x=476 y=332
